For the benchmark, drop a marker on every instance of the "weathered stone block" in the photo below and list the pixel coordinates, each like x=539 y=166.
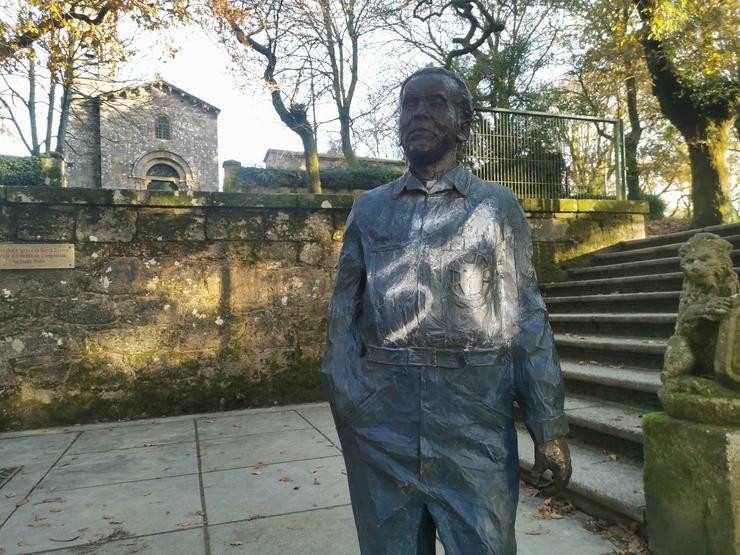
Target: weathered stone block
x=122 y=276
x=55 y=195
x=545 y=229
x=299 y=225
x=5 y=227
x=88 y=310
x=285 y=253
x=234 y=225
x=101 y=224
x=174 y=224
x=312 y=254
x=692 y=486
x=45 y=223
x=21 y=284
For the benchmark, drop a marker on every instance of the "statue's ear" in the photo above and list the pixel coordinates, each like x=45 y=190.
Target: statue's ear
x=463 y=133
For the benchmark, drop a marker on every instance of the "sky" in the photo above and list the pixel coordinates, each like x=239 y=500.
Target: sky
x=247 y=123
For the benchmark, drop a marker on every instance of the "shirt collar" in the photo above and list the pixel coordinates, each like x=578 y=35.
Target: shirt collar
x=457 y=178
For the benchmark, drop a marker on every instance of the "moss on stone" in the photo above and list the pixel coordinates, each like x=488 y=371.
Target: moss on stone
x=94 y=393
x=58 y=195
x=692 y=488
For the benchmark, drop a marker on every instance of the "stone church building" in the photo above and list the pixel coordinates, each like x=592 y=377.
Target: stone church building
x=153 y=136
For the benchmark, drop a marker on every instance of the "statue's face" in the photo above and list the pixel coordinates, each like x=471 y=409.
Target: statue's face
x=430 y=125
x=701 y=265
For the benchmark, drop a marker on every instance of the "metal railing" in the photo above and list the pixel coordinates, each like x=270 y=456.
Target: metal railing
x=541 y=155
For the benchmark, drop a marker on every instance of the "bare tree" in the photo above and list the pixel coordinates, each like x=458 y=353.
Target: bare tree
x=499 y=48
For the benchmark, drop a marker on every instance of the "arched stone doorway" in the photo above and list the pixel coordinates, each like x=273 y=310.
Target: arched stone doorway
x=162 y=177
x=162 y=171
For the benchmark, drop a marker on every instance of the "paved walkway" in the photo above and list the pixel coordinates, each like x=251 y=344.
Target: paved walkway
x=267 y=481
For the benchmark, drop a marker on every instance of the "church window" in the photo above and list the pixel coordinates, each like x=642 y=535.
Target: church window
x=162 y=127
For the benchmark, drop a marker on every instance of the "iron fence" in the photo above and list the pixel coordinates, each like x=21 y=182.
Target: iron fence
x=542 y=155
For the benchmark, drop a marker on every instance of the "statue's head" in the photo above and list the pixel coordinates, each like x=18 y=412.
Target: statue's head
x=436 y=114
x=706 y=260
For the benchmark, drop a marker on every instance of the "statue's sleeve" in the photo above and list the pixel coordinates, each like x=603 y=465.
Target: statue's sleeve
x=340 y=367
x=538 y=381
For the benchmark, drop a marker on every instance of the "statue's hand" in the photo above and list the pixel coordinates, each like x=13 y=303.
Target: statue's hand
x=717 y=307
x=554 y=456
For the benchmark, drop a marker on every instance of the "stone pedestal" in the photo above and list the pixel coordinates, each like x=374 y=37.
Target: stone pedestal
x=692 y=486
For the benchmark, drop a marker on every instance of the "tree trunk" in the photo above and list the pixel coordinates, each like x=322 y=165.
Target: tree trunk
x=32 y=106
x=50 y=114
x=631 y=141
x=710 y=180
x=63 y=118
x=311 y=157
x=346 y=136
x=703 y=116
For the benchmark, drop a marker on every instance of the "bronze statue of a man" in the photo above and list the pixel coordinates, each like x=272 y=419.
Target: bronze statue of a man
x=436 y=327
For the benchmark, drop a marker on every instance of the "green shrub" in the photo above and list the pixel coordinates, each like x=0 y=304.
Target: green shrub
x=365 y=176
x=20 y=170
x=657 y=206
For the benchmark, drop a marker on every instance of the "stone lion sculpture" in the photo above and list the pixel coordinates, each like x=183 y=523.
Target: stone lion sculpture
x=701 y=369
x=709 y=293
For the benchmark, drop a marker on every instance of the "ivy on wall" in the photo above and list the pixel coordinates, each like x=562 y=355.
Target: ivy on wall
x=360 y=177
x=20 y=170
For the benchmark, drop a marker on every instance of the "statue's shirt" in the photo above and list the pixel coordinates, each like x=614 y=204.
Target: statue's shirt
x=435 y=265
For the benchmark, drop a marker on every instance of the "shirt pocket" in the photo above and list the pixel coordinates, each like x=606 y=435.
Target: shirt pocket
x=392 y=284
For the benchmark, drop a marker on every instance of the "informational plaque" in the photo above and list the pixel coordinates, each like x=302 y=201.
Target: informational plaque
x=28 y=256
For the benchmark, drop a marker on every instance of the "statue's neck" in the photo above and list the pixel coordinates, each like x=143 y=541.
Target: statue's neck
x=432 y=171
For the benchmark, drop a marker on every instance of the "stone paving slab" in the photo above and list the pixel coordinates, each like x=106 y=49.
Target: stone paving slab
x=85 y=515
x=246 y=424
x=241 y=451
x=182 y=542
x=275 y=489
x=322 y=420
x=122 y=465
x=144 y=435
x=269 y=481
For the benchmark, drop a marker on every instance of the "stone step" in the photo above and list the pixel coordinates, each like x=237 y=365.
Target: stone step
x=602 y=485
x=632 y=382
x=637 y=268
x=612 y=426
x=652 y=325
x=653 y=302
x=632 y=352
x=647 y=253
x=679 y=237
x=671 y=281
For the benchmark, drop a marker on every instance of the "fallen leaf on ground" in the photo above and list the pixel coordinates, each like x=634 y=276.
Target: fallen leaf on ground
x=285 y=479
x=22 y=502
x=539 y=531
x=55 y=510
x=316 y=482
x=51 y=500
x=67 y=540
x=546 y=512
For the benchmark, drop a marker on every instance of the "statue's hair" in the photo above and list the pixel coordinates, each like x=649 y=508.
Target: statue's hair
x=727 y=281
x=465 y=102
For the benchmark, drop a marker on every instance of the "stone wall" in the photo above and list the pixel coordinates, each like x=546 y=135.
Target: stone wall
x=182 y=303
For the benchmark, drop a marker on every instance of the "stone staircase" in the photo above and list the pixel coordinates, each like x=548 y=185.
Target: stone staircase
x=611 y=321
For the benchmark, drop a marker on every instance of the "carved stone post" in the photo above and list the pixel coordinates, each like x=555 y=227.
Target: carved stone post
x=692 y=450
